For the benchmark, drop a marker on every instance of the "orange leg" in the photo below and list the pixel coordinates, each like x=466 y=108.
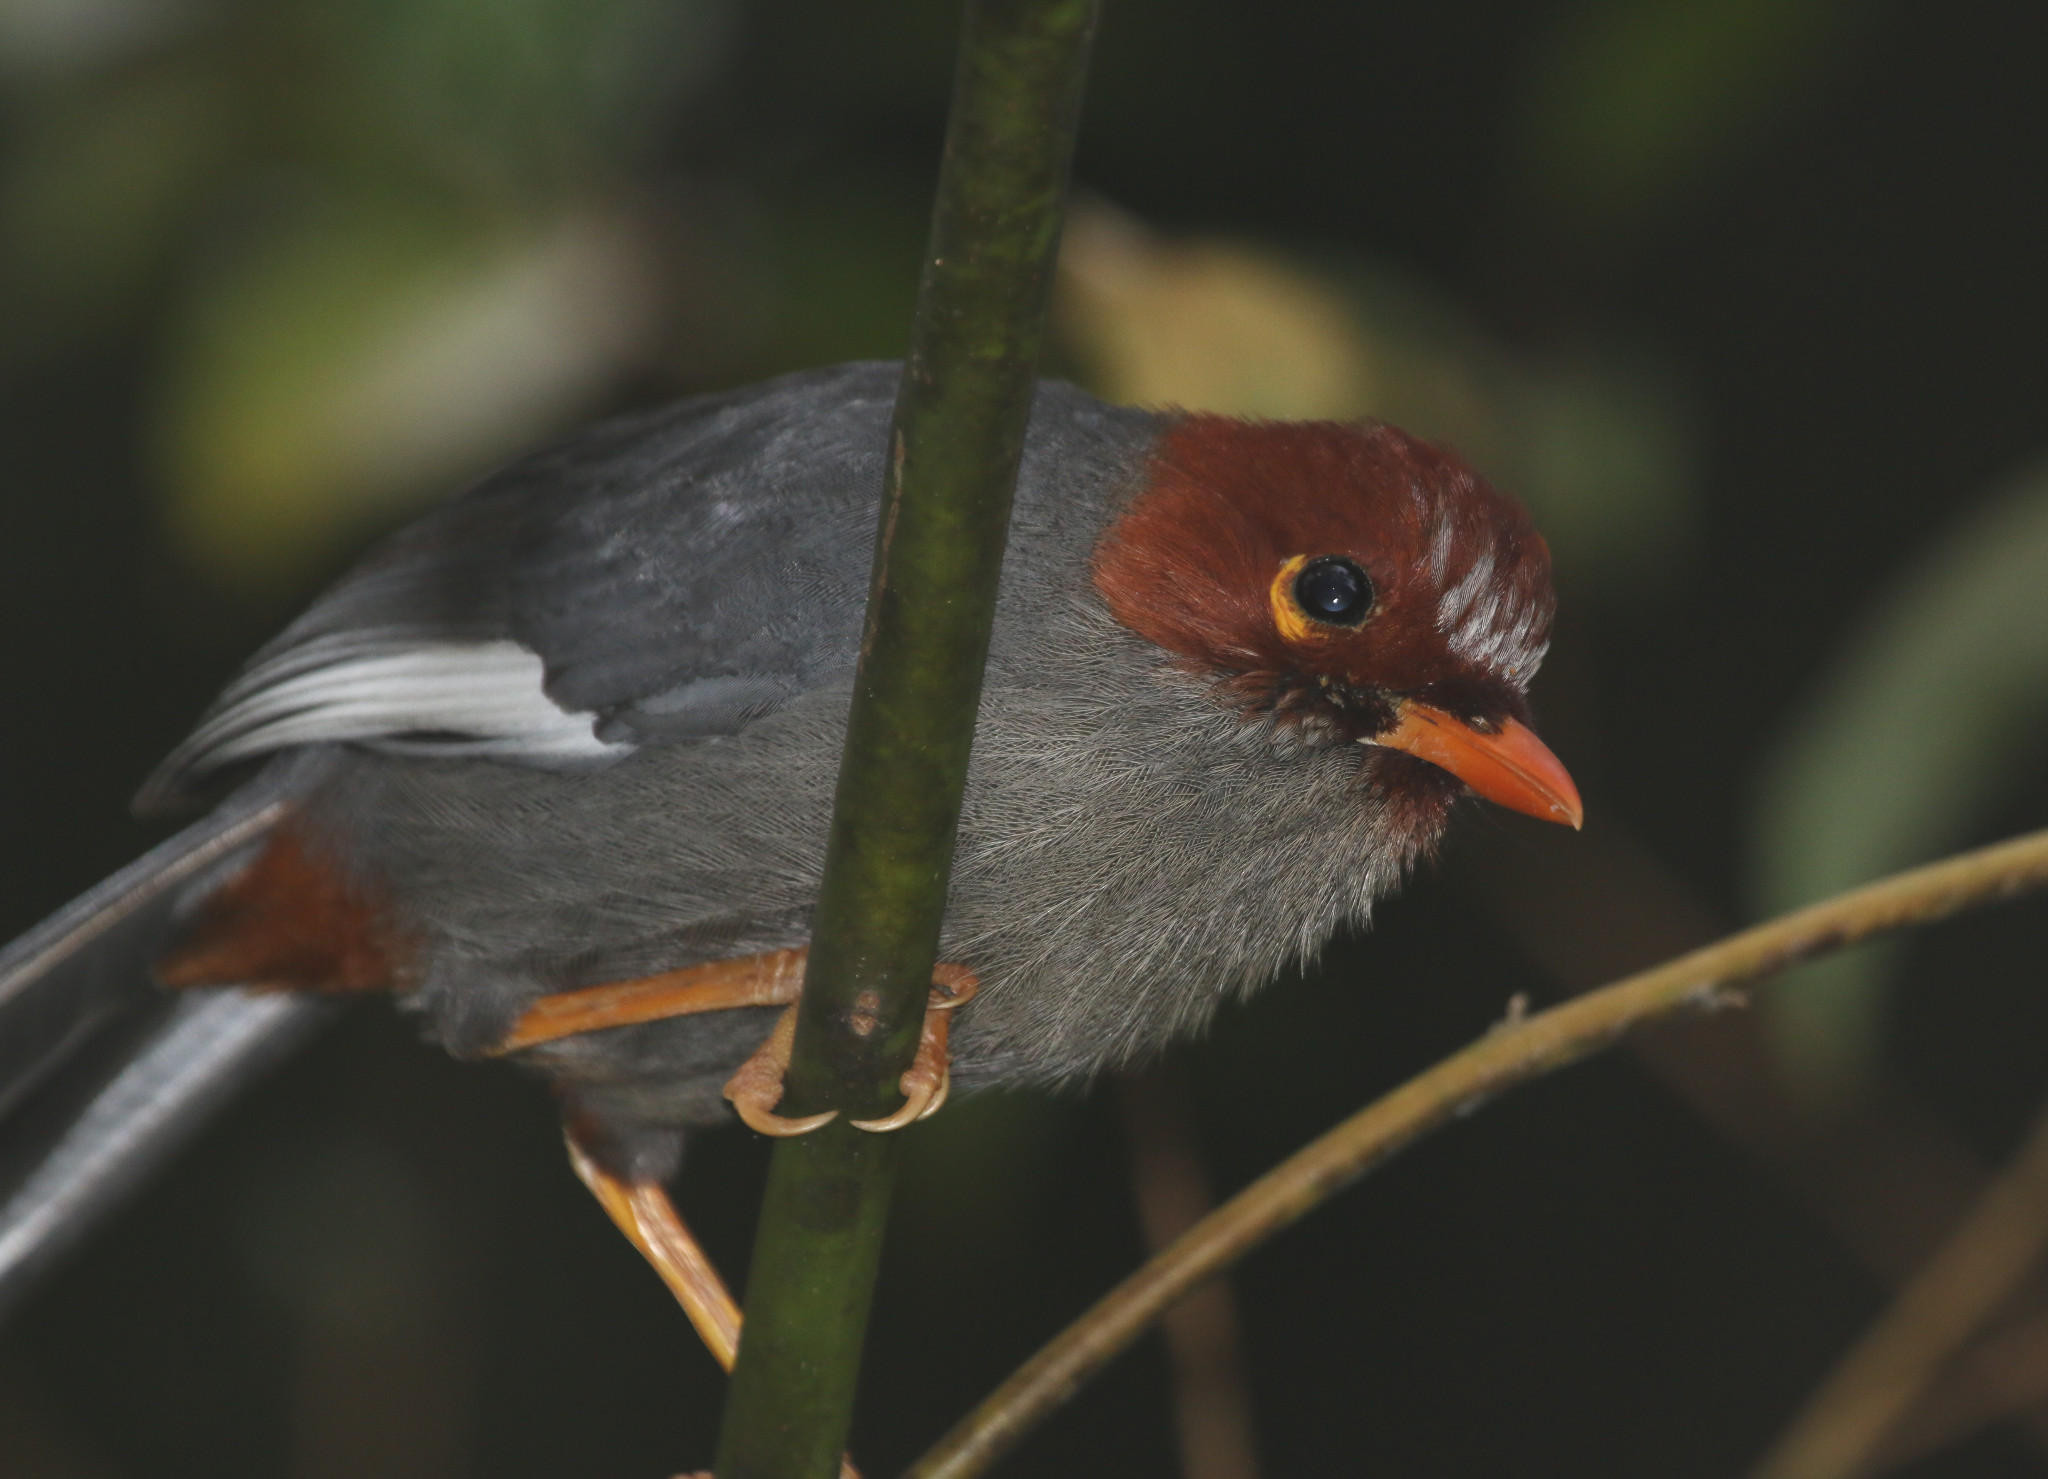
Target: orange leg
x=643 y=1212
x=773 y=979
x=650 y=1222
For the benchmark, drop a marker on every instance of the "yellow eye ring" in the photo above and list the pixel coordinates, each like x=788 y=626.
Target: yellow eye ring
x=1288 y=616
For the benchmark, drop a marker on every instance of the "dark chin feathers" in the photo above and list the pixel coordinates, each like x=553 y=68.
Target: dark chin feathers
x=1417 y=798
x=1299 y=713
x=1303 y=712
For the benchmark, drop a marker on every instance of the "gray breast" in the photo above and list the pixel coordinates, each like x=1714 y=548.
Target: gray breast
x=1130 y=856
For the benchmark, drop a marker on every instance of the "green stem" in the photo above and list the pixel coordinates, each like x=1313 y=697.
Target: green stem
x=954 y=450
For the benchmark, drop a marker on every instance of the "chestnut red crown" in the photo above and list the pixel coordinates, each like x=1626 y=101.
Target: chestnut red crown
x=1461 y=578
x=1435 y=591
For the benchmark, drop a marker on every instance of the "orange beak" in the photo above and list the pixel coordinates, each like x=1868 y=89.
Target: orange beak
x=1511 y=767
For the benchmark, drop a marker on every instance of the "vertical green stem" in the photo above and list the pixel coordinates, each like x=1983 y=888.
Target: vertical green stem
x=954 y=450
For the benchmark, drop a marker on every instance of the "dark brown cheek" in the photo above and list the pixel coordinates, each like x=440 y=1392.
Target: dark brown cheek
x=290 y=922
x=1417 y=797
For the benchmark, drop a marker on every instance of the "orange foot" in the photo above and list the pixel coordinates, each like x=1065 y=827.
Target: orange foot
x=773 y=979
x=757 y=1088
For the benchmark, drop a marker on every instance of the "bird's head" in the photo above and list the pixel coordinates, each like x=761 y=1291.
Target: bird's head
x=1348 y=583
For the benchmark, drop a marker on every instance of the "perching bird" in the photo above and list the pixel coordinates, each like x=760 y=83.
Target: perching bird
x=554 y=768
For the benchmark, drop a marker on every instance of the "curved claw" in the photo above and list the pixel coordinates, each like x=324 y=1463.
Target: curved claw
x=757 y=1088
x=921 y=1097
x=939 y=1099
x=929 y=1078
x=768 y=1122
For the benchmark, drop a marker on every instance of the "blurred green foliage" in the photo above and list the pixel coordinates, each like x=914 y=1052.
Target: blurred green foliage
x=391 y=241
x=384 y=244
x=1932 y=712
x=360 y=354
x=99 y=189
x=1632 y=97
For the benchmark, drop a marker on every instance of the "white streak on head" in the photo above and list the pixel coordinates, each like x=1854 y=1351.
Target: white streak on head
x=1451 y=609
x=1479 y=632
x=1489 y=625
x=1438 y=563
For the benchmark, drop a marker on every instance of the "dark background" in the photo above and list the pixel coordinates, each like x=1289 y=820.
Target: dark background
x=1834 y=270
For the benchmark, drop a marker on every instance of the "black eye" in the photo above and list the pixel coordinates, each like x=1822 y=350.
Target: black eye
x=1331 y=588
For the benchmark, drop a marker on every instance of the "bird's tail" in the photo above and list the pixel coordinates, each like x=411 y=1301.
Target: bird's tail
x=102 y=1075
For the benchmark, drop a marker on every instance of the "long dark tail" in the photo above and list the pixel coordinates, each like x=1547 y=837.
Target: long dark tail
x=102 y=1075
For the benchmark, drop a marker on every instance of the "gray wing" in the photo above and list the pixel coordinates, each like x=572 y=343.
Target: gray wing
x=668 y=576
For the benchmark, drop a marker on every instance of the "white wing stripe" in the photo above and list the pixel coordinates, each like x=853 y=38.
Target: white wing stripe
x=486 y=697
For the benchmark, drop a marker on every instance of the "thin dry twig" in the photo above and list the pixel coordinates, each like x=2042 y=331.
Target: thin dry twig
x=1962 y=1285
x=2004 y=1372
x=1889 y=1179
x=1212 y=1405
x=1880 y=1171
x=1455 y=1086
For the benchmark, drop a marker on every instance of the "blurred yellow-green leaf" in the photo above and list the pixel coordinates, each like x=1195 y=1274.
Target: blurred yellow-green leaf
x=1929 y=715
x=1207 y=325
x=359 y=355
x=1595 y=441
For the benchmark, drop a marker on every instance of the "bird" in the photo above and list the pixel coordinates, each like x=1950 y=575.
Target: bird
x=553 y=768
